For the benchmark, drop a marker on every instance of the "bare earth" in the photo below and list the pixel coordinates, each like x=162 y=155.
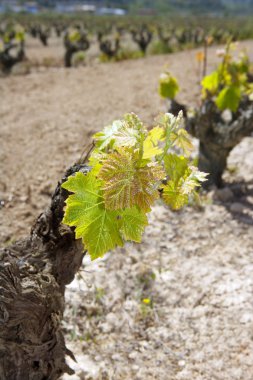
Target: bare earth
x=196 y=265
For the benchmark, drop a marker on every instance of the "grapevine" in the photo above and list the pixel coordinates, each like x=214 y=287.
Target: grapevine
x=130 y=168
x=228 y=88
x=12 y=44
x=229 y=83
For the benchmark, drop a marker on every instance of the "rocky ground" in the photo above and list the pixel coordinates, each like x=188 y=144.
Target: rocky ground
x=176 y=307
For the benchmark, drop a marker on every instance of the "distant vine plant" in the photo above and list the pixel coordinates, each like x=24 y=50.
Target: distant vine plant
x=168 y=85
x=14 y=33
x=130 y=168
x=223 y=117
x=12 y=47
x=226 y=85
x=229 y=83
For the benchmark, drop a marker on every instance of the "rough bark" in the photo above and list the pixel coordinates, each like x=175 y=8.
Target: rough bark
x=108 y=47
x=8 y=60
x=74 y=47
x=142 y=37
x=68 y=57
x=33 y=276
x=43 y=36
x=217 y=137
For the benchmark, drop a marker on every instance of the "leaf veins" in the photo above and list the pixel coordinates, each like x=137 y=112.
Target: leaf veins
x=85 y=210
x=127 y=184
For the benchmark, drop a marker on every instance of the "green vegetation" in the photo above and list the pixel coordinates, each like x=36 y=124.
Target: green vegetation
x=131 y=168
x=75 y=42
x=229 y=88
x=12 y=42
x=129 y=37
x=229 y=83
x=168 y=86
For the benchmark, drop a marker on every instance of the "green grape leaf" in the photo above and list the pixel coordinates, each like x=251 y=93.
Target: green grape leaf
x=126 y=136
x=183 y=181
x=131 y=132
x=175 y=166
x=85 y=210
x=127 y=184
x=211 y=83
x=150 y=145
x=192 y=180
x=95 y=160
x=229 y=98
x=107 y=135
x=173 y=132
x=133 y=121
x=182 y=140
x=133 y=223
x=170 y=123
x=74 y=35
x=173 y=196
x=168 y=86
x=126 y=132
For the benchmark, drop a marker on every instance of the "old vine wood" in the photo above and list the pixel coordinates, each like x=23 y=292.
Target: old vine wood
x=107 y=202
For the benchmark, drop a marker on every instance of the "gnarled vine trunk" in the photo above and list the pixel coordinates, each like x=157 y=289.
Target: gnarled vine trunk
x=212 y=160
x=33 y=276
x=73 y=47
x=217 y=137
x=8 y=59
